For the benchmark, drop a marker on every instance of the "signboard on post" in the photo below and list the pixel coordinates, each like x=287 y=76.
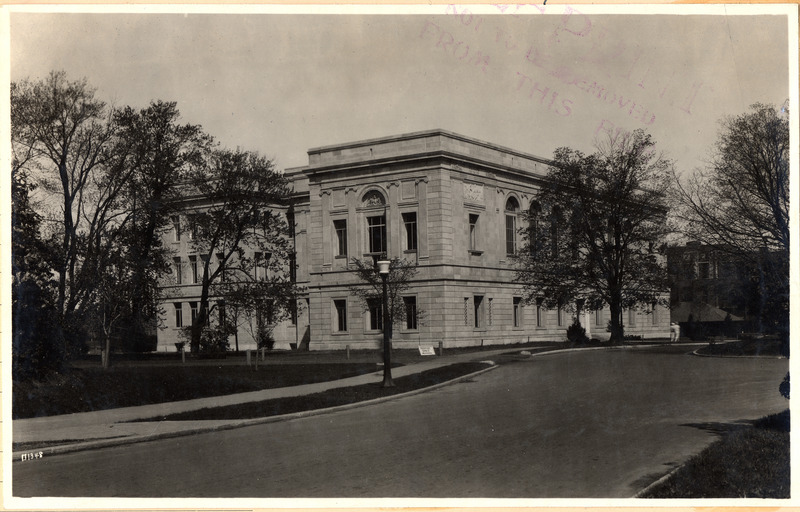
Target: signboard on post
x=426 y=351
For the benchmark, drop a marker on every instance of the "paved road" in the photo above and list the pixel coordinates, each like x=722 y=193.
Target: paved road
x=582 y=424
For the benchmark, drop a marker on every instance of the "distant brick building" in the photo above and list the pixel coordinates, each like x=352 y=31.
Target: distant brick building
x=720 y=290
x=448 y=203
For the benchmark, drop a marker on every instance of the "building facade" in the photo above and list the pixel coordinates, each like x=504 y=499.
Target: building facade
x=450 y=205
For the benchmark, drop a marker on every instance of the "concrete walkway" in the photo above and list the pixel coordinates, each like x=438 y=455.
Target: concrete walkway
x=87 y=430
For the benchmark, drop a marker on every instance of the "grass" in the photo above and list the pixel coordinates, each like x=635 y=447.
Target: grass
x=752 y=462
x=330 y=398
x=745 y=347
x=93 y=389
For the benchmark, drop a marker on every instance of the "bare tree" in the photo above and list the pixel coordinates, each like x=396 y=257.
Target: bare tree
x=595 y=232
x=62 y=134
x=398 y=281
x=740 y=202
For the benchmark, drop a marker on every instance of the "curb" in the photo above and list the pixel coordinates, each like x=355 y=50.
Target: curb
x=658 y=482
x=105 y=443
x=698 y=354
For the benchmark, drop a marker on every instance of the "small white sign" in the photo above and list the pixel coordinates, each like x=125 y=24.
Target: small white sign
x=426 y=351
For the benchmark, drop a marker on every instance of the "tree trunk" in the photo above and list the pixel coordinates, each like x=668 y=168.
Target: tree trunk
x=197 y=329
x=106 y=358
x=617 y=330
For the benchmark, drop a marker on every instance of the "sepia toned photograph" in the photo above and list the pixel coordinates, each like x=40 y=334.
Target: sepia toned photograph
x=435 y=255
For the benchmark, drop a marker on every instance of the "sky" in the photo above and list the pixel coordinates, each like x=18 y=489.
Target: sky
x=532 y=78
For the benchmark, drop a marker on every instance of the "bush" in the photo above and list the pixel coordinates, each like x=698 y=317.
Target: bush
x=265 y=338
x=38 y=344
x=576 y=333
x=214 y=340
x=784 y=387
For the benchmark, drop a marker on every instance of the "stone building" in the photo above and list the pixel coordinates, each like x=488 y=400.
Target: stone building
x=450 y=204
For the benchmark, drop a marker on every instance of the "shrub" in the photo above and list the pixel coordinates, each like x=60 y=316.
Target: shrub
x=214 y=340
x=784 y=387
x=38 y=344
x=576 y=333
x=265 y=338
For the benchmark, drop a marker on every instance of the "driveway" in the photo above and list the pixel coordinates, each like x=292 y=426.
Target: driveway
x=588 y=424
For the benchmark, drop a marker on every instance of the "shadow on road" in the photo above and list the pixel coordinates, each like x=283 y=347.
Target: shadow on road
x=720 y=429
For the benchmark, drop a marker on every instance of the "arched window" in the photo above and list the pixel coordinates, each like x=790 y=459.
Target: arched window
x=512 y=208
x=376 y=222
x=555 y=230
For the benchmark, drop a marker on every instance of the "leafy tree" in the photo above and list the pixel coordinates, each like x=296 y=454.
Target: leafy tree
x=234 y=210
x=37 y=340
x=596 y=230
x=160 y=151
x=398 y=281
x=740 y=202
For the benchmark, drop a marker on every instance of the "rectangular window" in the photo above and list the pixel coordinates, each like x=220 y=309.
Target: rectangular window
x=176 y=228
x=293 y=267
x=631 y=317
x=340 y=305
x=178 y=314
x=193 y=308
x=539 y=312
x=221 y=308
x=340 y=227
x=375 y=314
x=655 y=313
x=191 y=233
x=261 y=262
x=193 y=267
x=517 y=312
x=293 y=313
x=560 y=315
x=473 y=232
x=598 y=318
x=376 y=229
x=477 y=303
x=410 y=223
x=410 y=304
x=290 y=223
x=204 y=260
x=176 y=262
x=221 y=263
x=703 y=266
x=511 y=235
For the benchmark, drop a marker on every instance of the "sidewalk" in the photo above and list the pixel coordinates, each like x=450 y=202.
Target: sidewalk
x=87 y=430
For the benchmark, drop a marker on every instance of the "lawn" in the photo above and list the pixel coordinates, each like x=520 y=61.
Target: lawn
x=745 y=347
x=752 y=462
x=330 y=398
x=92 y=389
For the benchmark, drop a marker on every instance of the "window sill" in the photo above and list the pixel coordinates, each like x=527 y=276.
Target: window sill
x=475 y=252
x=340 y=333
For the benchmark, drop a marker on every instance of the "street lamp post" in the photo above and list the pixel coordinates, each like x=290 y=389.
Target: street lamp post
x=383 y=270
